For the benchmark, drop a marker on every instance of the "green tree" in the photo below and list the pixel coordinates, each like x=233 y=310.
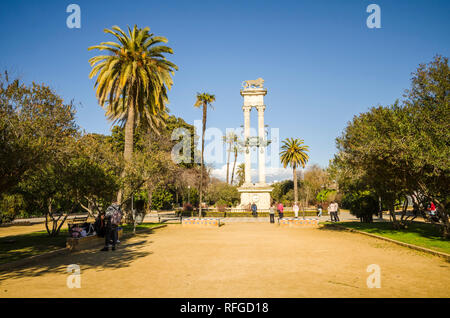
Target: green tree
x=294 y=154
x=35 y=124
x=241 y=174
x=59 y=188
x=223 y=193
x=426 y=131
x=132 y=80
x=362 y=204
x=203 y=100
x=402 y=150
x=314 y=179
x=324 y=195
x=162 y=199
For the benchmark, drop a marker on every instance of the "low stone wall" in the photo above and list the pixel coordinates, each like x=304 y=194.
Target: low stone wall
x=213 y=214
x=196 y=222
x=293 y=222
x=74 y=244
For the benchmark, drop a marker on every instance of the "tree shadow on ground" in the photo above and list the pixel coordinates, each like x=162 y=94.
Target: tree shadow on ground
x=331 y=227
x=15 y=247
x=93 y=258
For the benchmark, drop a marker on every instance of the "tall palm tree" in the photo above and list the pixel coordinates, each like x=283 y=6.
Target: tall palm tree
x=294 y=154
x=133 y=79
x=229 y=140
x=203 y=100
x=236 y=150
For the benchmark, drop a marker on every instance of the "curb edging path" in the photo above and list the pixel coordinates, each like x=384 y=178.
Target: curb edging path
x=411 y=246
x=65 y=250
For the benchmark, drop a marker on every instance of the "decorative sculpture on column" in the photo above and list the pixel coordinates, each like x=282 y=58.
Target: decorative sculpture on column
x=259 y=193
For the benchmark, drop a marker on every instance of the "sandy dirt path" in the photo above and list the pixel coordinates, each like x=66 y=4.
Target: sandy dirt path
x=237 y=260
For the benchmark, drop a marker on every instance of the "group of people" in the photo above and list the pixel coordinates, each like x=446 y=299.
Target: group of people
x=333 y=210
x=280 y=210
x=107 y=225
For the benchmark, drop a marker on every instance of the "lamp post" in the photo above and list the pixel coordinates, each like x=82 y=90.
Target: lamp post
x=189 y=194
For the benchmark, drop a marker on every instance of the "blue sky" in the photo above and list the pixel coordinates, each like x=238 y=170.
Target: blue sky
x=320 y=62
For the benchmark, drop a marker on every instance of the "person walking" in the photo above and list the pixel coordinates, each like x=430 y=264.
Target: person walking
x=331 y=212
x=336 y=211
x=254 y=209
x=272 y=213
x=112 y=220
x=295 y=208
x=319 y=209
x=432 y=209
x=280 y=210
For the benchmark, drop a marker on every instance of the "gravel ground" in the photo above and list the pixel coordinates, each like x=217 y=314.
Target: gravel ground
x=237 y=260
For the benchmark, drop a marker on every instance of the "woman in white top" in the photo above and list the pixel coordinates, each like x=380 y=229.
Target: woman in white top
x=295 y=207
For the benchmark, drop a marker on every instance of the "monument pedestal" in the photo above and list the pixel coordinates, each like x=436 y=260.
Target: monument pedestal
x=256 y=193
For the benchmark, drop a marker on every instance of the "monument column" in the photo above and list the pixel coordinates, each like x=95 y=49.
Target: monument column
x=259 y=192
x=247 y=155
x=261 y=149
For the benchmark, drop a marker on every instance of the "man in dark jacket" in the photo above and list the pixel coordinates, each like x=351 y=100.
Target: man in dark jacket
x=254 y=210
x=112 y=220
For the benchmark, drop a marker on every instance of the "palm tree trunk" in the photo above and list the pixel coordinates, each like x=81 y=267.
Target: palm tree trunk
x=295 y=185
x=228 y=163
x=234 y=166
x=201 y=163
x=128 y=149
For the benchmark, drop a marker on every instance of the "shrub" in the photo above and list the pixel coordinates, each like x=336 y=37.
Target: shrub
x=10 y=207
x=222 y=205
x=162 y=199
x=222 y=193
x=362 y=205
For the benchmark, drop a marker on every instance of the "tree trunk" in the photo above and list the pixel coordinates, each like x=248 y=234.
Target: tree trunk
x=393 y=217
x=228 y=163
x=234 y=166
x=443 y=216
x=129 y=140
x=380 y=208
x=201 y=163
x=295 y=185
x=149 y=194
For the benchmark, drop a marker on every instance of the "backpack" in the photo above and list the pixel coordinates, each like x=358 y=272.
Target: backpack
x=114 y=214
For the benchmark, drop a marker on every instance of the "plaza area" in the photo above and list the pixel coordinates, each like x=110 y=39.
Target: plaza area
x=237 y=260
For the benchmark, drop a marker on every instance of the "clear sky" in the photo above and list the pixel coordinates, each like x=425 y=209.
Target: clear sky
x=321 y=63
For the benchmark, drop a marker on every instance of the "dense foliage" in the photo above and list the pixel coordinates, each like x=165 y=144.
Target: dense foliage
x=50 y=168
x=403 y=151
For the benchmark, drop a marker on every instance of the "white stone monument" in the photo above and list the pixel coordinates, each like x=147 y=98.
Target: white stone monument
x=258 y=193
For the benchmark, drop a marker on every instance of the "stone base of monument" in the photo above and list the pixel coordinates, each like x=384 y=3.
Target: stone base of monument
x=255 y=193
x=293 y=222
x=204 y=222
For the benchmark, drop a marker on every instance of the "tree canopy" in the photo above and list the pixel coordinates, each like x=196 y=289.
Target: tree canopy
x=402 y=150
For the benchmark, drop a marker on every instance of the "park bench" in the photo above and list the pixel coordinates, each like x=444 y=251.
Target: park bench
x=78 y=220
x=81 y=243
x=165 y=216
